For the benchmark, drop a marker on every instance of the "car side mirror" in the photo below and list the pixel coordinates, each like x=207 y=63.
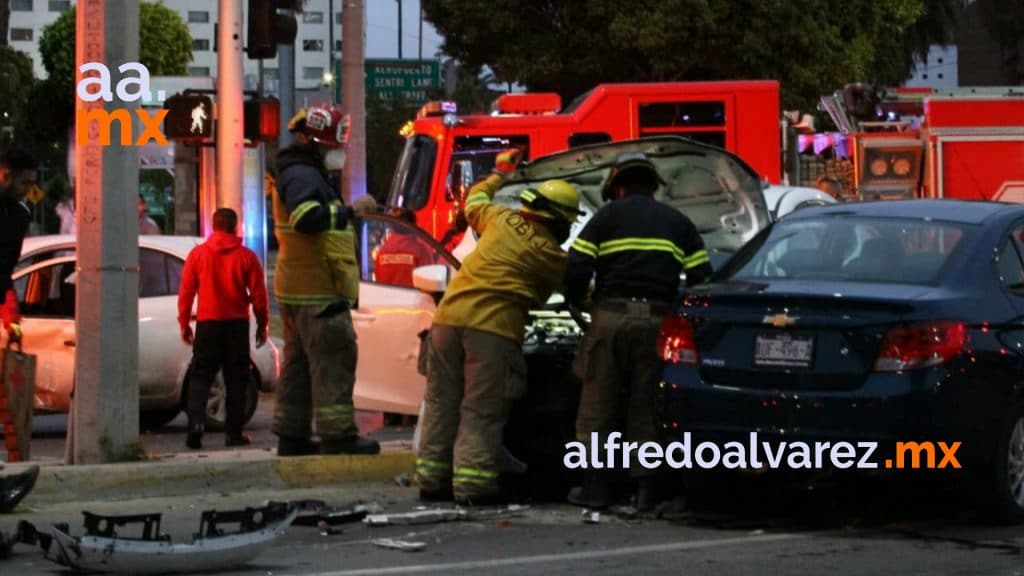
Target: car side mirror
x=432 y=279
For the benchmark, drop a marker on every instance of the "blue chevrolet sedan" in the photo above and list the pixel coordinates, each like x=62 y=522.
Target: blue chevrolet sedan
x=894 y=330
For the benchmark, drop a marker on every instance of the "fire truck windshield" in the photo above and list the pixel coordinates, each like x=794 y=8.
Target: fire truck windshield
x=410 y=187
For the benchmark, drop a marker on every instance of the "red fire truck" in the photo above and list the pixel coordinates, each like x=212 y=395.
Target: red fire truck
x=959 y=143
x=445 y=153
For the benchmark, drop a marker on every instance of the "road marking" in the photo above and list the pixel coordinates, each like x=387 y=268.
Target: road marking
x=568 y=557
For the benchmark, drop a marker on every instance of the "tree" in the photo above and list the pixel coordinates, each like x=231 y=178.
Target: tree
x=811 y=46
x=15 y=81
x=1005 y=21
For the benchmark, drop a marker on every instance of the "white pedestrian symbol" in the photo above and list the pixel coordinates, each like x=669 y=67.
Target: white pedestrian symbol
x=198 y=116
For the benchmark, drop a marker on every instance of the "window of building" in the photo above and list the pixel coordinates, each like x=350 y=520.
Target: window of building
x=270 y=73
x=199 y=71
x=21 y=5
x=337 y=45
x=940 y=60
x=313 y=45
x=924 y=76
x=312 y=17
x=201 y=45
x=198 y=16
x=21 y=34
x=337 y=17
x=60 y=5
x=941 y=75
x=313 y=73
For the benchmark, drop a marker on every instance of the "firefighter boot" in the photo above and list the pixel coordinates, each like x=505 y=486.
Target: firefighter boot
x=350 y=445
x=596 y=492
x=296 y=446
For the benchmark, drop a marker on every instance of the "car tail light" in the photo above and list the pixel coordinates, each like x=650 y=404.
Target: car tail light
x=676 y=342
x=921 y=345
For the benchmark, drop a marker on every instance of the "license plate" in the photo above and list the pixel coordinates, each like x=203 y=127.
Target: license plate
x=786 y=350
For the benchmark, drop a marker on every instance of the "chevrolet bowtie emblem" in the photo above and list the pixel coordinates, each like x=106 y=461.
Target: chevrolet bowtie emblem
x=780 y=320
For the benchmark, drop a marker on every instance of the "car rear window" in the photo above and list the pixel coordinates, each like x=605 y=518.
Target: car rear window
x=852 y=250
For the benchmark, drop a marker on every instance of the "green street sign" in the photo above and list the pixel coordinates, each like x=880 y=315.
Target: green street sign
x=391 y=79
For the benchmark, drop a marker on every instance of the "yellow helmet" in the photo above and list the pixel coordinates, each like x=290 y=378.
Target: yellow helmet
x=552 y=199
x=298 y=121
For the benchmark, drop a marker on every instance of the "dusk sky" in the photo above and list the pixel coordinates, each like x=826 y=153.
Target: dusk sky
x=382 y=30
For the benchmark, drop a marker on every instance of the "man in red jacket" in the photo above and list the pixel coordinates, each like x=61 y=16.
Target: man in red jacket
x=228 y=278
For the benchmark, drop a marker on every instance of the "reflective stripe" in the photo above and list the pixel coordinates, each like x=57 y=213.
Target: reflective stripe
x=642 y=245
x=334 y=216
x=301 y=211
x=475 y=473
x=433 y=468
x=583 y=247
x=696 y=259
x=478 y=198
x=528 y=196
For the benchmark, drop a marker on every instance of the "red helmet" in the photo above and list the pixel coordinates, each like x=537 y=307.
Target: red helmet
x=327 y=125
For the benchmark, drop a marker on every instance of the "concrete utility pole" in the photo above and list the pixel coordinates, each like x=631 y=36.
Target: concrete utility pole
x=230 y=129
x=353 y=46
x=286 y=88
x=104 y=425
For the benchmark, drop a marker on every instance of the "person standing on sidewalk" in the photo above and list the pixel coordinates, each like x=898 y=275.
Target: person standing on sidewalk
x=476 y=364
x=17 y=176
x=147 y=226
x=316 y=282
x=228 y=278
x=636 y=248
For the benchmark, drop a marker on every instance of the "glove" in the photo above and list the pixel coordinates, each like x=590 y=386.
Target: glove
x=13 y=333
x=261 y=336
x=364 y=205
x=186 y=335
x=506 y=161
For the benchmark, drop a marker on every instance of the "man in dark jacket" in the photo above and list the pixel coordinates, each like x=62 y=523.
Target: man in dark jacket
x=228 y=278
x=316 y=282
x=17 y=177
x=635 y=248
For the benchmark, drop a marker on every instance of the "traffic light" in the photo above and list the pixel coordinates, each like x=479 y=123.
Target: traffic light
x=261 y=119
x=267 y=28
x=189 y=117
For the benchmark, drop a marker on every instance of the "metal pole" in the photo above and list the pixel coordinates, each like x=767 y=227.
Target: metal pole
x=330 y=50
x=230 y=128
x=286 y=89
x=399 y=29
x=353 y=44
x=105 y=422
x=421 y=31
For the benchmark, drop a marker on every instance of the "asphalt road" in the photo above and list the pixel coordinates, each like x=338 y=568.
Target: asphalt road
x=553 y=539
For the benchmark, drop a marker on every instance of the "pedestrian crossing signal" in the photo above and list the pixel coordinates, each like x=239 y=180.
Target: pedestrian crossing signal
x=189 y=117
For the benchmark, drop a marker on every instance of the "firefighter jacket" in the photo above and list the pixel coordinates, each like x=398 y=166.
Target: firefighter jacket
x=515 y=266
x=636 y=247
x=316 y=262
x=398 y=256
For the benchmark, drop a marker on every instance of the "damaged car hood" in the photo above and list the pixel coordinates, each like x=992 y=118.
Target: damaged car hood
x=717 y=190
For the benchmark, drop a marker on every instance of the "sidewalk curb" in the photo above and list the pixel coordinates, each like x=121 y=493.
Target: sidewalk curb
x=226 y=473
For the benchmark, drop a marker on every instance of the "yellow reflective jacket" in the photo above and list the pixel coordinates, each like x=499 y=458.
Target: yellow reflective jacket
x=318 y=267
x=516 y=265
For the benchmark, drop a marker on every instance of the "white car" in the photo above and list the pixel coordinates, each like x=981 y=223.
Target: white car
x=717 y=190
x=785 y=199
x=45 y=284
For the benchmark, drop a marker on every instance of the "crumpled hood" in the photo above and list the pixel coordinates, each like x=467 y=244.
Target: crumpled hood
x=224 y=242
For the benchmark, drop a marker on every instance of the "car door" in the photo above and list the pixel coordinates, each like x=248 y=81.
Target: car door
x=46 y=299
x=391 y=313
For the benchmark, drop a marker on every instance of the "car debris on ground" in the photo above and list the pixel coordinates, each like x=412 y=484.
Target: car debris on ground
x=438 y=515
x=103 y=549
x=403 y=545
x=317 y=512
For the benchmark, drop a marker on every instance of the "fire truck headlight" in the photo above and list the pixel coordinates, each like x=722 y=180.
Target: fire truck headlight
x=450 y=120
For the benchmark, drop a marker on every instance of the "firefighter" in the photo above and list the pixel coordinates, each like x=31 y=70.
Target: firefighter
x=316 y=282
x=401 y=253
x=17 y=176
x=634 y=248
x=476 y=367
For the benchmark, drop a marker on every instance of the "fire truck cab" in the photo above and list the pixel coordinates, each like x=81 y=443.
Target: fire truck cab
x=445 y=152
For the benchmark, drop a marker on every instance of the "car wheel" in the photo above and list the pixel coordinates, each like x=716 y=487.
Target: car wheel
x=216 y=405
x=157 y=418
x=1007 y=471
